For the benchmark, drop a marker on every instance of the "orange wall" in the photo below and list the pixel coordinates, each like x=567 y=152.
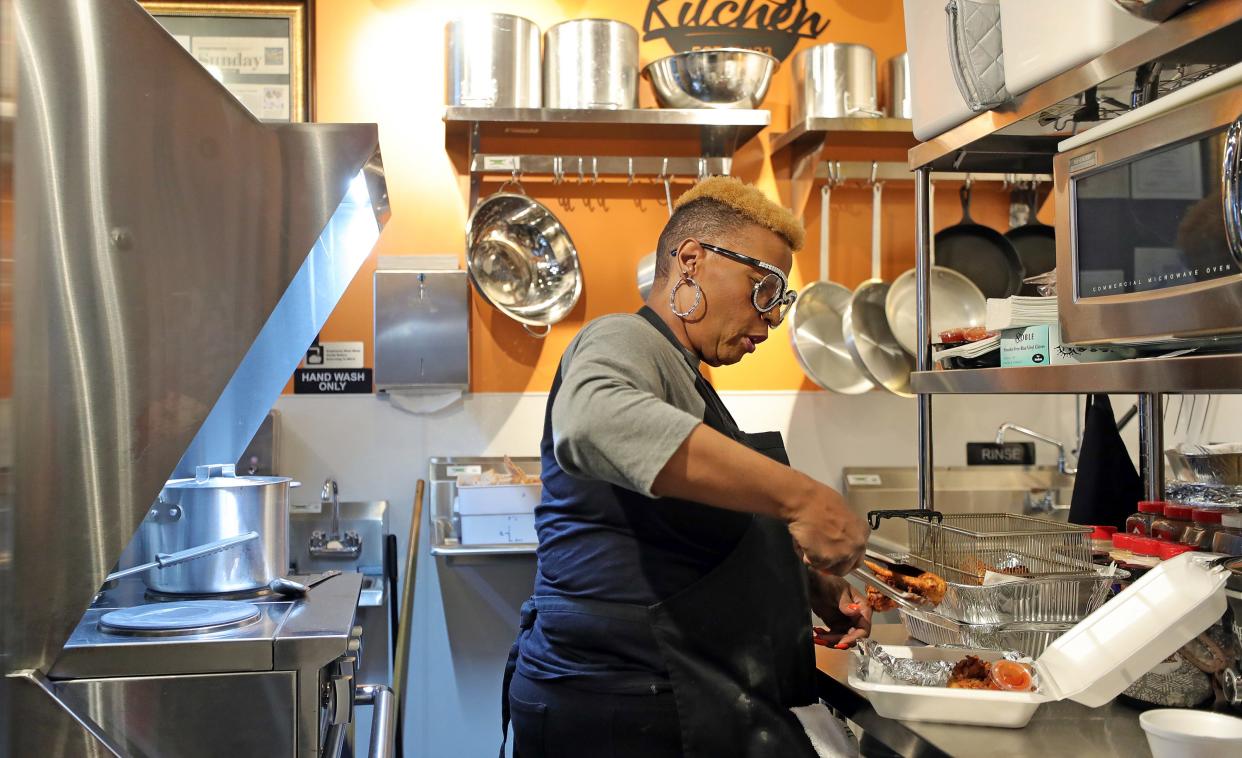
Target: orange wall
x=382 y=61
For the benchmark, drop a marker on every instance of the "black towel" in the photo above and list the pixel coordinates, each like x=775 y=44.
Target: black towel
x=1108 y=487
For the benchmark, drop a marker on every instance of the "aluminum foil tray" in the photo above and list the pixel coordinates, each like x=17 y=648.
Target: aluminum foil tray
x=1027 y=638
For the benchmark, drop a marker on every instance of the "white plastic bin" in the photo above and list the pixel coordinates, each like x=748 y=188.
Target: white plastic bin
x=936 y=98
x=475 y=499
x=1045 y=38
x=1091 y=664
x=499 y=529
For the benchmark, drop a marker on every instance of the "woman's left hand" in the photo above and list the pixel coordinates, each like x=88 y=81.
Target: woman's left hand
x=840 y=606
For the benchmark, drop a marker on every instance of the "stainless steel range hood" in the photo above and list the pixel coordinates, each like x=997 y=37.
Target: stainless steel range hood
x=174 y=258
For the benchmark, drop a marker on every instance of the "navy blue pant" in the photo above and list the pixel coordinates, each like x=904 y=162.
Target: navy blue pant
x=552 y=720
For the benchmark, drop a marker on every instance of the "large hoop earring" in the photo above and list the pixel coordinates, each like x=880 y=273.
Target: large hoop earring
x=698 y=296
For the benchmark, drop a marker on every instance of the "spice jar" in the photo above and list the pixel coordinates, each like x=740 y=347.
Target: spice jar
x=1205 y=523
x=1148 y=511
x=1173 y=524
x=1228 y=539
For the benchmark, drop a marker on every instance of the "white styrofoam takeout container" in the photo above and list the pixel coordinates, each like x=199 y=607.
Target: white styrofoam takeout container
x=478 y=499
x=1090 y=664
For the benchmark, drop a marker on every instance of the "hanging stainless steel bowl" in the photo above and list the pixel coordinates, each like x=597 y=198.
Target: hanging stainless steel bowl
x=522 y=260
x=725 y=77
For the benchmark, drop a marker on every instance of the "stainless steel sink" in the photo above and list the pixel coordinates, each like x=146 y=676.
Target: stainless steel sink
x=1030 y=490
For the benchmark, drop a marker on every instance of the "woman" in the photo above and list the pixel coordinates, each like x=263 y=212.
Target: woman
x=671 y=614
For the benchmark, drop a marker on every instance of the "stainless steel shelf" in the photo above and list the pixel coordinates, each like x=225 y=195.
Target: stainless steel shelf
x=729 y=128
x=1190 y=374
x=1011 y=139
x=797 y=153
x=637 y=133
x=879 y=132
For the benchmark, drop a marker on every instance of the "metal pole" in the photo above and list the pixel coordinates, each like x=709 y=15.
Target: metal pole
x=922 y=276
x=1151 y=443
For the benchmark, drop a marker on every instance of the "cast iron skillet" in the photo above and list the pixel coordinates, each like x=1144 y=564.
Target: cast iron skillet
x=979 y=253
x=1036 y=244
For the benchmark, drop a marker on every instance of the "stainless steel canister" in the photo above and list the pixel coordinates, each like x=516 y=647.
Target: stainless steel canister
x=899 y=105
x=217 y=504
x=834 y=81
x=590 y=63
x=492 y=61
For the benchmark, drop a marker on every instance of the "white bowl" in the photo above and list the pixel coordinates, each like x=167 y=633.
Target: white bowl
x=1179 y=733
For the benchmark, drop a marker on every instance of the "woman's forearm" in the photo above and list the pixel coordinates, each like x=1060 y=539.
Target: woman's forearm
x=710 y=468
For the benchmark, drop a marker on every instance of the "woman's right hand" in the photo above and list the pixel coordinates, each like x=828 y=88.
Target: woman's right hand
x=831 y=537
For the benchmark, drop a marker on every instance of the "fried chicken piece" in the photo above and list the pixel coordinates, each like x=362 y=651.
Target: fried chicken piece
x=926 y=585
x=883 y=572
x=971 y=684
x=880 y=602
x=971 y=673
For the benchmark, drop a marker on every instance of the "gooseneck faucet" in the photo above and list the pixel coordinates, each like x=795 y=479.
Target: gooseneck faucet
x=1060 y=446
x=330 y=495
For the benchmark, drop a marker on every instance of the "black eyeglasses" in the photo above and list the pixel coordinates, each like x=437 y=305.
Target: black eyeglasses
x=770 y=292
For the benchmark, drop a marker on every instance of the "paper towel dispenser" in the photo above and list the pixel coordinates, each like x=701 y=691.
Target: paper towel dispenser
x=422 y=330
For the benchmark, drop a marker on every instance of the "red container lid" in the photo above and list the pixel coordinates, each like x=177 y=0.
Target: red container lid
x=1148 y=546
x=1178 y=512
x=1123 y=541
x=1205 y=516
x=1103 y=532
x=1151 y=506
x=1167 y=550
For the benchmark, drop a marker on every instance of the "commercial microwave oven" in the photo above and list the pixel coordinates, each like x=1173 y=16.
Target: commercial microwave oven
x=1149 y=229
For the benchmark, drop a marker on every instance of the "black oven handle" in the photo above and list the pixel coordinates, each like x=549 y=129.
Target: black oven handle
x=1231 y=189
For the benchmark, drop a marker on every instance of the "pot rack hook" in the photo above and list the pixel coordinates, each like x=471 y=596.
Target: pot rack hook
x=702 y=169
x=581 y=177
x=629 y=164
x=875 y=168
x=664 y=169
x=970 y=181
x=594 y=170
x=557 y=174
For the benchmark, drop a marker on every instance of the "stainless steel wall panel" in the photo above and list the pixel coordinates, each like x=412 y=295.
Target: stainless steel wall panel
x=174 y=257
x=193 y=716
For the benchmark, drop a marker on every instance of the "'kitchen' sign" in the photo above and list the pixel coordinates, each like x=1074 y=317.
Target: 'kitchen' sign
x=772 y=26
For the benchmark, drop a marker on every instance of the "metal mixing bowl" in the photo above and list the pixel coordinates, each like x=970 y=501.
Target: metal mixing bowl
x=522 y=260
x=725 y=77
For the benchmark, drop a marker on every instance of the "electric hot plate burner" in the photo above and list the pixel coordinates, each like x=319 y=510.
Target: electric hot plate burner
x=172 y=619
x=255 y=594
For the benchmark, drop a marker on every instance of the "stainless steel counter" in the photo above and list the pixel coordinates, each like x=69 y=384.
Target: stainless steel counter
x=1058 y=729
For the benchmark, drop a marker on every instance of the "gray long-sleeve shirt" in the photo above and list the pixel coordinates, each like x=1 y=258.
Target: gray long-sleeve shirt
x=627 y=401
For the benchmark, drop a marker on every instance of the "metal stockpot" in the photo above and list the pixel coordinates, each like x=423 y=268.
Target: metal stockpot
x=492 y=61
x=217 y=504
x=590 y=63
x=899 y=103
x=834 y=81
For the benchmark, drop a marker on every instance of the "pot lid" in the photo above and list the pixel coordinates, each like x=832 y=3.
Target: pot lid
x=189 y=617
x=1110 y=649
x=220 y=476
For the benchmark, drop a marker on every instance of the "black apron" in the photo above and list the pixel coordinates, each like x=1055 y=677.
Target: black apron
x=1107 y=487
x=737 y=643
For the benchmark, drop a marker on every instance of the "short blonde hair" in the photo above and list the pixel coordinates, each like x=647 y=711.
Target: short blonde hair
x=749 y=202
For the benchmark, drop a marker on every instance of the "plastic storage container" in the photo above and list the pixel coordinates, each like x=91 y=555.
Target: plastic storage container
x=936 y=99
x=1173 y=524
x=477 y=499
x=1091 y=664
x=1205 y=523
x=1043 y=39
x=1229 y=539
x=1148 y=511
